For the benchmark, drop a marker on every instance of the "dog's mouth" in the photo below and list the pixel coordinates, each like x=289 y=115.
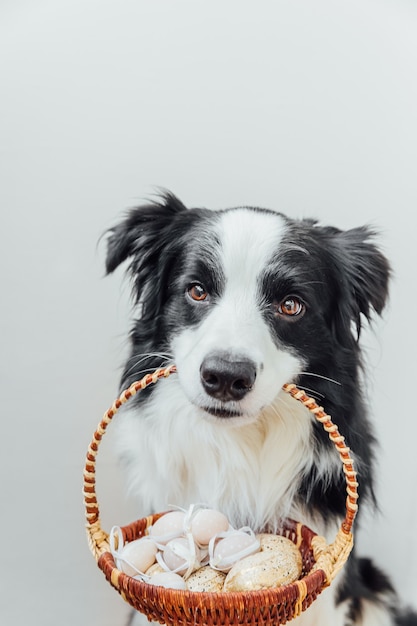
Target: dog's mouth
x=222 y=412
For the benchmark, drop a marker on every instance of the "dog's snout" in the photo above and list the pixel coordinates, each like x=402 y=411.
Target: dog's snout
x=226 y=379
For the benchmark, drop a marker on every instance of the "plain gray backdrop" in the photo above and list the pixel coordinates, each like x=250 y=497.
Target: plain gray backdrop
x=305 y=106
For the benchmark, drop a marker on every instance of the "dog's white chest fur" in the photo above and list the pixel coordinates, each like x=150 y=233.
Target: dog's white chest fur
x=177 y=457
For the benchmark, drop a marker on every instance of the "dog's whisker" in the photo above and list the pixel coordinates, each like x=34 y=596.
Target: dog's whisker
x=330 y=380
x=165 y=357
x=144 y=371
x=149 y=355
x=313 y=393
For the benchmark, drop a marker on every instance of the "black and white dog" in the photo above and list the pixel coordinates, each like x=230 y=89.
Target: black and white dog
x=244 y=300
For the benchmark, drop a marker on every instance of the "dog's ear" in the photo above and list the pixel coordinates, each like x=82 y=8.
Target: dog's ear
x=145 y=237
x=363 y=275
x=141 y=232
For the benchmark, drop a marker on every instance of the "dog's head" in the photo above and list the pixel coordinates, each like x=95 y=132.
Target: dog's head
x=245 y=299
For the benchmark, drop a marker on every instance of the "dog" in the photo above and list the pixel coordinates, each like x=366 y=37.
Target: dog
x=244 y=300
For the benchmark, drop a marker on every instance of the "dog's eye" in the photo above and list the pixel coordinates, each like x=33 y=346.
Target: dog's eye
x=290 y=307
x=197 y=292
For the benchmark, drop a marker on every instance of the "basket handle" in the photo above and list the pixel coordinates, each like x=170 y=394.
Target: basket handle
x=329 y=558
x=344 y=452
x=98 y=539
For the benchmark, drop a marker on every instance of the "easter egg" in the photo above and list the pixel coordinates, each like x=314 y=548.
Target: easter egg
x=206 y=579
x=230 y=549
x=167 y=526
x=154 y=569
x=266 y=569
x=271 y=543
x=206 y=523
x=179 y=555
x=168 y=580
x=137 y=556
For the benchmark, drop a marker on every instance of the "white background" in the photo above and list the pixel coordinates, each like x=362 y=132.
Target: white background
x=307 y=107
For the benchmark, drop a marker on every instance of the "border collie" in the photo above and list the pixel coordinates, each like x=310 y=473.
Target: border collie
x=243 y=300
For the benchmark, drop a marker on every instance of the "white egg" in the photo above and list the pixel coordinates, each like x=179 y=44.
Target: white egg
x=233 y=547
x=206 y=523
x=179 y=555
x=137 y=556
x=168 y=526
x=168 y=580
x=206 y=579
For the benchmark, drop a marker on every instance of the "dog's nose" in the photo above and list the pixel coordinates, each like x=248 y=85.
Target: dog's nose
x=225 y=379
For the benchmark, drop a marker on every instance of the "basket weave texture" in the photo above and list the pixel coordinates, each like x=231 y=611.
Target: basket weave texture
x=321 y=562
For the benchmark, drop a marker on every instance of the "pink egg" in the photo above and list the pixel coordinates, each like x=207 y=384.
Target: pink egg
x=168 y=526
x=232 y=548
x=178 y=555
x=137 y=556
x=206 y=523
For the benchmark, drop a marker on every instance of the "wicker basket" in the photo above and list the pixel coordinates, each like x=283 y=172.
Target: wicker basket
x=321 y=562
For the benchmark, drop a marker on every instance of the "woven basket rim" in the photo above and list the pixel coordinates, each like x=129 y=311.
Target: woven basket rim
x=219 y=596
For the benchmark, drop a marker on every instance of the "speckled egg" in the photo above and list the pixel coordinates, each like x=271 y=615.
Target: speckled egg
x=137 y=556
x=269 y=568
x=272 y=543
x=206 y=523
x=206 y=579
x=230 y=549
x=168 y=526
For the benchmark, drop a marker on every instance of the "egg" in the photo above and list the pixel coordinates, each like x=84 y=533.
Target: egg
x=206 y=523
x=269 y=568
x=234 y=546
x=180 y=556
x=168 y=580
x=271 y=543
x=154 y=569
x=206 y=579
x=168 y=526
x=137 y=556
